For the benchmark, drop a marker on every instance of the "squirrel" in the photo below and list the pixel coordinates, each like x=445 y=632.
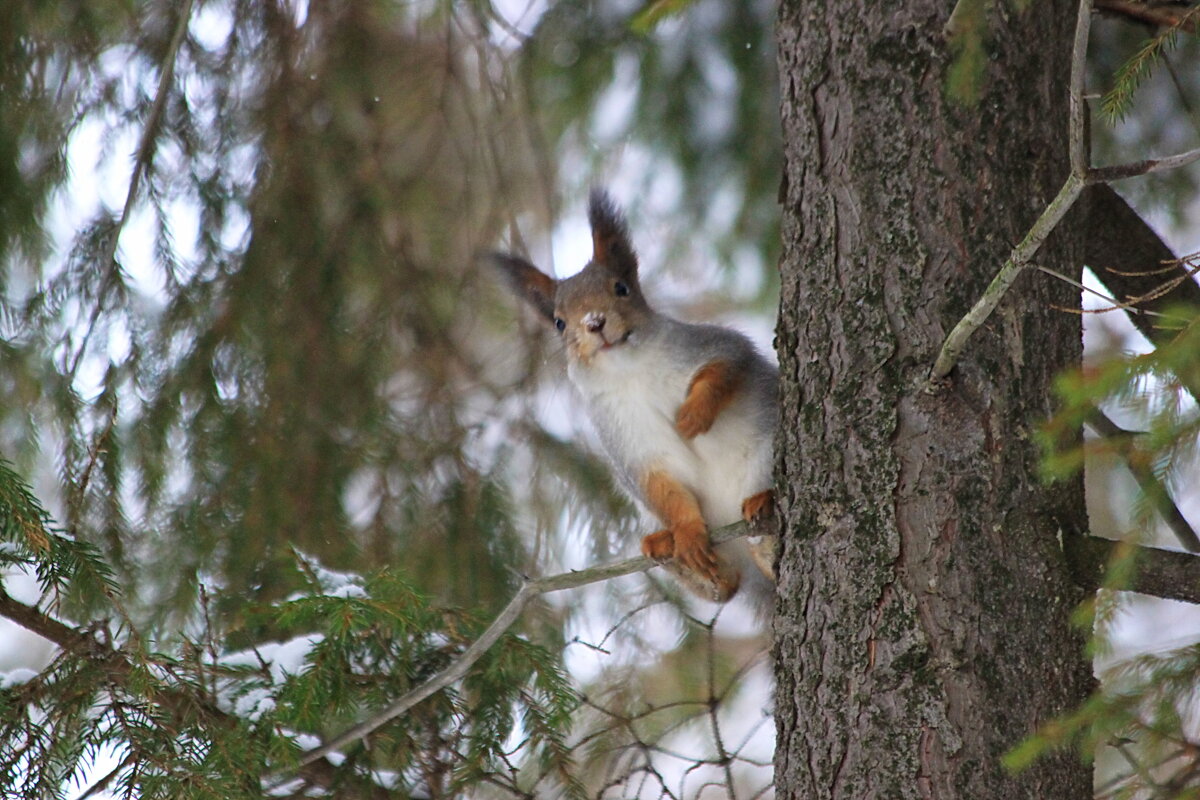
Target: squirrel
x=686 y=413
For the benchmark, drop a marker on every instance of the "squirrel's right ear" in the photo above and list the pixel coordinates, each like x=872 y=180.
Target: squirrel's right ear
x=527 y=282
x=610 y=236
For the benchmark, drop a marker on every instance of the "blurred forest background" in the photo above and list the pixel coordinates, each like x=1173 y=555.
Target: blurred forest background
x=252 y=371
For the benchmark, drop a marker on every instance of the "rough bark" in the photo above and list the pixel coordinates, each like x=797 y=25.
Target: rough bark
x=922 y=625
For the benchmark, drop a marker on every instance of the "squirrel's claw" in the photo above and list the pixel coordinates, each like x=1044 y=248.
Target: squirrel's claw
x=659 y=545
x=690 y=548
x=758 y=505
x=693 y=551
x=690 y=557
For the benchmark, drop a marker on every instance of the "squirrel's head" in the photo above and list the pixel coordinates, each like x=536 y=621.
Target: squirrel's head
x=599 y=308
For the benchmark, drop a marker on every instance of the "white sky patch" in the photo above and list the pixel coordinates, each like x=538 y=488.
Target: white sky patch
x=1150 y=625
x=211 y=25
x=617 y=103
x=521 y=16
x=571 y=242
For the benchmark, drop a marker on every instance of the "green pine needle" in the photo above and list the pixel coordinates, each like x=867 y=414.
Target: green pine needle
x=1133 y=73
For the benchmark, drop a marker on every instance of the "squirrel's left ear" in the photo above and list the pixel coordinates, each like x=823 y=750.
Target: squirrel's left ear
x=527 y=282
x=610 y=236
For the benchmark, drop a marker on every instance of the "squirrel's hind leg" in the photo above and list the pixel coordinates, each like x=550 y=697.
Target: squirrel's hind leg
x=685 y=539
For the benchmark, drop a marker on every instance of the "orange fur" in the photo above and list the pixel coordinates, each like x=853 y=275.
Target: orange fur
x=686 y=536
x=762 y=548
x=757 y=505
x=599 y=247
x=711 y=390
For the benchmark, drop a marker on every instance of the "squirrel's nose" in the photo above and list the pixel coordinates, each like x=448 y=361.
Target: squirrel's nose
x=594 y=322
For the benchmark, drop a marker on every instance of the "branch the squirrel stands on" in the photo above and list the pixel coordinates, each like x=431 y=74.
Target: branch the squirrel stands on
x=531 y=589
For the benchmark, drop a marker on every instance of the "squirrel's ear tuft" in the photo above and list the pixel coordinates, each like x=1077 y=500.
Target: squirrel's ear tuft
x=610 y=235
x=527 y=282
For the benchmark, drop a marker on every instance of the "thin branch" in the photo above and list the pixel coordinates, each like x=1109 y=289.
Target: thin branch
x=1082 y=175
x=145 y=153
x=1165 y=16
x=1117 y=305
x=1131 y=170
x=456 y=671
x=1150 y=485
x=1020 y=257
x=1161 y=573
x=103 y=783
x=1077 y=129
x=956 y=342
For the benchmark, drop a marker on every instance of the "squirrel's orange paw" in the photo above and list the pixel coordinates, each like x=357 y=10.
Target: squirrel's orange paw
x=758 y=505
x=660 y=546
x=692 y=420
x=696 y=554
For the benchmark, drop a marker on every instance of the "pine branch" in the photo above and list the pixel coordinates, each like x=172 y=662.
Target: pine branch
x=505 y=620
x=1138 y=67
x=179 y=701
x=103 y=784
x=141 y=164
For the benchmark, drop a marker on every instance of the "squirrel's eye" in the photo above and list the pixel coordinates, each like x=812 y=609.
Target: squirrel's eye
x=560 y=323
x=621 y=289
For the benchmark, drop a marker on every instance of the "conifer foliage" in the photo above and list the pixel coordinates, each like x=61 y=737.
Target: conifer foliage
x=250 y=366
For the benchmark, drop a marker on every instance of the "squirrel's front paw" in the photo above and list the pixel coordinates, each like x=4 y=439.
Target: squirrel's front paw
x=690 y=557
x=693 y=551
x=693 y=419
x=660 y=546
x=758 y=505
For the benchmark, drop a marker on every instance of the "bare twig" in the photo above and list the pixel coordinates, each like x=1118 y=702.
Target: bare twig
x=1077 y=129
x=1021 y=254
x=505 y=620
x=1117 y=305
x=1165 y=16
x=1131 y=170
x=1017 y=261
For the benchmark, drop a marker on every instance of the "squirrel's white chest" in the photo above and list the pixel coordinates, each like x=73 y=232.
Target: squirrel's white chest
x=632 y=405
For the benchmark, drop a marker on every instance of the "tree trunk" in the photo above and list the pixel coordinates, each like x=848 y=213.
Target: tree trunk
x=923 y=625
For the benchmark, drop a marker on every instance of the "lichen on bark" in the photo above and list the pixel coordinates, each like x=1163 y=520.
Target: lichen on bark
x=923 y=618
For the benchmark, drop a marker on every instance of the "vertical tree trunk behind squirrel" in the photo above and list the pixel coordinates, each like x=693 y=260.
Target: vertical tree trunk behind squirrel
x=923 y=617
